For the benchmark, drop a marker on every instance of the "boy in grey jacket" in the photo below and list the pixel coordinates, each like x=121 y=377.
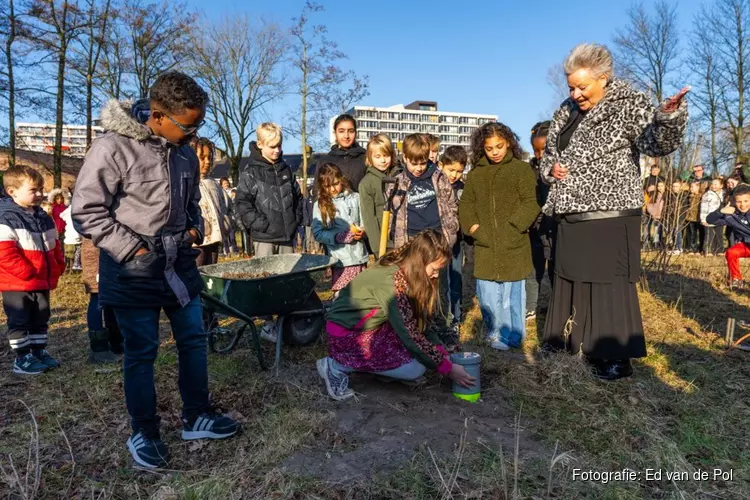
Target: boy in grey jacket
x=137 y=197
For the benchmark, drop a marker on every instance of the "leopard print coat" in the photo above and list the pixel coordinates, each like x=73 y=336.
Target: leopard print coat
x=604 y=151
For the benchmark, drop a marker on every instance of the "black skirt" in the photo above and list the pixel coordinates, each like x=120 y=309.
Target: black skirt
x=594 y=305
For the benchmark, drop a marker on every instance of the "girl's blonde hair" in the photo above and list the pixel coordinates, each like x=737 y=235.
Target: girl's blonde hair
x=328 y=175
x=428 y=246
x=382 y=144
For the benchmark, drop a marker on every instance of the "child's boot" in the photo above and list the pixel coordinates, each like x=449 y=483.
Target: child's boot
x=99 y=352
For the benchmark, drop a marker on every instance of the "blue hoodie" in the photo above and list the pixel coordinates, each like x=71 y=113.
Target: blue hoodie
x=738 y=222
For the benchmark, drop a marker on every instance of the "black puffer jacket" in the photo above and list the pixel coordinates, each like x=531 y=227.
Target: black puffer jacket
x=269 y=200
x=351 y=162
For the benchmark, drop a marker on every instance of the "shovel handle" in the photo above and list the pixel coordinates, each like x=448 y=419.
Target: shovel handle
x=384 y=230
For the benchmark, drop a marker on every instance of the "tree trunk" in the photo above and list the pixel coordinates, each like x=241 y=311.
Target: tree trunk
x=303 y=129
x=89 y=105
x=11 y=86
x=59 y=119
x=234 y=168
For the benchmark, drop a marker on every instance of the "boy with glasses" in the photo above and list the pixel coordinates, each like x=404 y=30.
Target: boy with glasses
x=137 y=198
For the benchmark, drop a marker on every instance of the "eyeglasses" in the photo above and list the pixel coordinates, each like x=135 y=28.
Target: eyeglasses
x=186 y=130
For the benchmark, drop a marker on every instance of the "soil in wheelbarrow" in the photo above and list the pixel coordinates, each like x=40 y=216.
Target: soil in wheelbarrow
x=245 y=276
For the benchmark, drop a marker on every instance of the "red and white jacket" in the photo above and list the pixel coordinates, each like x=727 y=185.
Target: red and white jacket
x=31 y=258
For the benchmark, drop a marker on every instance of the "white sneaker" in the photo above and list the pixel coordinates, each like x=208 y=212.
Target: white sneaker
x=337 y=382
x=498 y=344
x=268 y=332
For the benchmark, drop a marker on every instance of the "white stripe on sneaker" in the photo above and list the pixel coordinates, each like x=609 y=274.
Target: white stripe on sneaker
x=199 y=424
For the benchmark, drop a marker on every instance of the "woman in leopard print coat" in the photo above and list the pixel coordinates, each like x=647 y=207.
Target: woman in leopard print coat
x=592 y=163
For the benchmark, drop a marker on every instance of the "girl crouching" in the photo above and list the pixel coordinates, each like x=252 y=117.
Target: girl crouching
x=377 y=324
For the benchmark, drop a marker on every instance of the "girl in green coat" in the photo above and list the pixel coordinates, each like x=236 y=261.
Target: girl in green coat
x=498 y=206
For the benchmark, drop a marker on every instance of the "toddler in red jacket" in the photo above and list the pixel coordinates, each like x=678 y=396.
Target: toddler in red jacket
x=31 y=262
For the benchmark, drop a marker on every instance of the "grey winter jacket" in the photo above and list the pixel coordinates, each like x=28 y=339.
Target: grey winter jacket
x=347 y=213
x=603 y=152
x=136 y=190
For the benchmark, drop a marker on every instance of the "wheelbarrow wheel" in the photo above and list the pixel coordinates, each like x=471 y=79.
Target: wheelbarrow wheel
x=302 y=330
x=224 y=332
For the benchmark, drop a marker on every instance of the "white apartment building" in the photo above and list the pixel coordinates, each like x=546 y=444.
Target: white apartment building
x=40 y=137
x=454 y=129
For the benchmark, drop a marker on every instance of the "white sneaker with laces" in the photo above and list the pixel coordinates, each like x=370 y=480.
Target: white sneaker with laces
x=337 y=382
x=268 y=332
x=498 y=344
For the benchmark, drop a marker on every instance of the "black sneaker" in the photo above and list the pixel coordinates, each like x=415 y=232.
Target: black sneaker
x=28 y=365
x=613 y=370
x=46 y=359
x=208 y=425
x=148 y=450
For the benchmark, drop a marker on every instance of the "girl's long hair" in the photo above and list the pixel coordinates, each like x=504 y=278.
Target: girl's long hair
x=494 y=129
x=328 y=175
x=428 y=246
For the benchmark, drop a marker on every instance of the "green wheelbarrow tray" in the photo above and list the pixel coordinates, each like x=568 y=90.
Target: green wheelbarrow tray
x=288 y=291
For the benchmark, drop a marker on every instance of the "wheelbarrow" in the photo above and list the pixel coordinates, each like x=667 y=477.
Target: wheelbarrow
x=237 y=293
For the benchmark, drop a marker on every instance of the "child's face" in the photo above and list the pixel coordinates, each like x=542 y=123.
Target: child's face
x=415 y=169
x=716 y=185
x=676 y=187
x=345 y=134
x=204 y=160
x=225 y=184
x=177 y=128
x=538 y=144
x=661 y=187
x=59 y=199
x=495 y=148
x=695 y=188
x=271 y=151
x=742 y=202
x=655 y=171
x=433 y=155
x=27 y=195
x=433 y=268
x=453 y=171
x=335 y=188
x=732 y=183
x=380 y=161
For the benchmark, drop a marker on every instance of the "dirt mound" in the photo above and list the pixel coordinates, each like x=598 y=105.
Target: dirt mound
x=388 y=423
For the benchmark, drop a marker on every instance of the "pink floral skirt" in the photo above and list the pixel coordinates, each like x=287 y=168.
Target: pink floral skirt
x=371 y=351
x=341 y=276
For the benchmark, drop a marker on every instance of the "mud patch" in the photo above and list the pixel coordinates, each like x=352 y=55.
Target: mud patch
x=383 y=428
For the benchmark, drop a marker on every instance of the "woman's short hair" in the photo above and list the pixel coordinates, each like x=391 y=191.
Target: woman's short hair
x=592 y=56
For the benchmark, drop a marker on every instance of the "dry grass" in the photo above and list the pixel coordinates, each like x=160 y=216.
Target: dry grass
x=685 y=410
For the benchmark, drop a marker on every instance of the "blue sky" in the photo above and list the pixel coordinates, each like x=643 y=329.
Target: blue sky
x=481 y=57
x=485 y=56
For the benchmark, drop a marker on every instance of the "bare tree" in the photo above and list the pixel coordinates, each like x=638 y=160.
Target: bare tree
x=159 y=36
x=321 y=83
x=702 y=63
x=239 y=63
x=8 y=30
x=115 y=64
x=56 y=24
x=726 y=24
x=647 y=48
x=86 y=54
x=558 y=82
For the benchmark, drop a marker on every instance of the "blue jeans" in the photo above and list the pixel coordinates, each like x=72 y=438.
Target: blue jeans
x=140 y=328
x=410 y=371
x=455 y=282
x=503 y=306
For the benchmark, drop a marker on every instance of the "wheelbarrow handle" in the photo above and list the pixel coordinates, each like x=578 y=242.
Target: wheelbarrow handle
x=244 y=317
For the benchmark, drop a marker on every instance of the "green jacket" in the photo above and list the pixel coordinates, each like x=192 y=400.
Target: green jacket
x=373 y=289
x=372 y=204
x=502 y=200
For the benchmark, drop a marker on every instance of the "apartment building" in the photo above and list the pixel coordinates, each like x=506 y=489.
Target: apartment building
x=40 y=138
x=454 y=129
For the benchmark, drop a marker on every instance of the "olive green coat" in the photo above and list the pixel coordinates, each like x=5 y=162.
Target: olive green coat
x=502 y=199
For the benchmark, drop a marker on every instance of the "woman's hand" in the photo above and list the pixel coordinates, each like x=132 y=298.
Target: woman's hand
x=473 y=229
x=559 y=172
x=673 y=103
x=459 y=375
x=728 y=210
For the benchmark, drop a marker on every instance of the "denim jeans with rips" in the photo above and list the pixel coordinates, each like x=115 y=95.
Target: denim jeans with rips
x=140 y=329
x=503 y=306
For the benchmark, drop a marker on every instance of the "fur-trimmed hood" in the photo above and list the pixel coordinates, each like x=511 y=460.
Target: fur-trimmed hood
x=127 y=118
x=64 y=192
